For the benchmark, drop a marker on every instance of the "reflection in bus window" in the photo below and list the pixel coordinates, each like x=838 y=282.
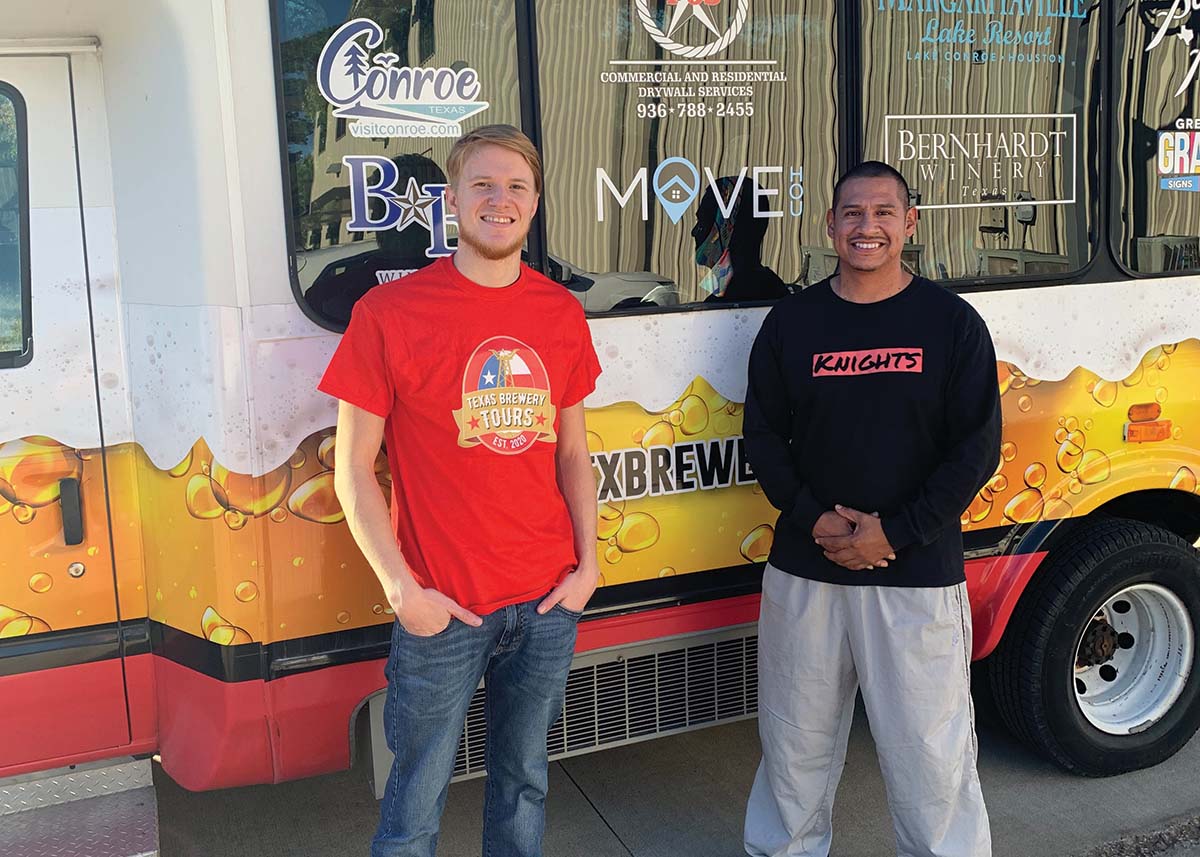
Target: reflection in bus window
x=691 y=149
x=1158 y=140
x=368 y=132
x=990 y=116
x=15 y=332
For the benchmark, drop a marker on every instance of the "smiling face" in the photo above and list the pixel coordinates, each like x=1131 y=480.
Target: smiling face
x=869 y=224
x=495 y=198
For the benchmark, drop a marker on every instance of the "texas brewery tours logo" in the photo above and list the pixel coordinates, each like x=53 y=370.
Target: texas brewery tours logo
x=386 y=100
x=505 y=398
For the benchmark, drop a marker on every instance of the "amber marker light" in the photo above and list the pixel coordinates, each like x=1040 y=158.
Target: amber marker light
x=1144 y=413
x=1147 y=432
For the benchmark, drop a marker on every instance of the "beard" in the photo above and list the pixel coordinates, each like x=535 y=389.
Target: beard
x=493 y=252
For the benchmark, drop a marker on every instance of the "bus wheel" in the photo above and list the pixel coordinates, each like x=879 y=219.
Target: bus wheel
x=1097 y=667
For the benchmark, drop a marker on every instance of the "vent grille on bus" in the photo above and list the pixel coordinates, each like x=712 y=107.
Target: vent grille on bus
x=638 y=694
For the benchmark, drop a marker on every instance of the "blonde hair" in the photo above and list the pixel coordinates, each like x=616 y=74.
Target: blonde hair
x=504 y=136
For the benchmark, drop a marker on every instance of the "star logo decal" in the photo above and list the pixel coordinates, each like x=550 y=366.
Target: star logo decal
x=414 y=206
x=489 y=379
x=541 y=419
x=474 y=422
x=697 y=12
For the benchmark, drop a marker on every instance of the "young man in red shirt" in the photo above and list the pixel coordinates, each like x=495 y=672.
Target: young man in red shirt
x=474 y=370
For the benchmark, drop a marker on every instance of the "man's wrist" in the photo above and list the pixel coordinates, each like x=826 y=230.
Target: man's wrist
x=588 y=569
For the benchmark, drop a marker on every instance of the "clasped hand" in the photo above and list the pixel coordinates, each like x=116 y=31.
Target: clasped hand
x=853 y=539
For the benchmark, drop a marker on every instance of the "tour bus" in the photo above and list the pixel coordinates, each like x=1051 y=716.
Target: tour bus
x=194 y=194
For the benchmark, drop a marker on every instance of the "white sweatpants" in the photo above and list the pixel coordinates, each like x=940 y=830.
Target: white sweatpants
x=909 y=650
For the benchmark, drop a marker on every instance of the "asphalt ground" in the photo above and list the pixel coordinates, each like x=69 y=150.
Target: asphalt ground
x=684 y=796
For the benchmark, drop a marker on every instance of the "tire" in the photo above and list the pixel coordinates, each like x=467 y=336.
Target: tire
x=1058 y=697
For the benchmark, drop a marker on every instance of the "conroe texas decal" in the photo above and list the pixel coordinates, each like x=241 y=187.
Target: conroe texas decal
x=505 y=398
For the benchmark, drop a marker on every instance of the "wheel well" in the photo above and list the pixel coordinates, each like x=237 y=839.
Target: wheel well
x=1176 y=511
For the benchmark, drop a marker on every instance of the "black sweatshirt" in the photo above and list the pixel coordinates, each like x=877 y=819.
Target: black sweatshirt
x=890 y=407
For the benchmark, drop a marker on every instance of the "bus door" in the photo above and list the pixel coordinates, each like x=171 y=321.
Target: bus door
x=61 y=668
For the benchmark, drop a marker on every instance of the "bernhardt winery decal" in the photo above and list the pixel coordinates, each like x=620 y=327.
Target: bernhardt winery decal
x=975 y=160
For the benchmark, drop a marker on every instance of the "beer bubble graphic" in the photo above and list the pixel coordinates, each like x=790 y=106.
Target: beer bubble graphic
x=217 y=630
x=1035 y=475
x=325 y=452
x=695 y=415
x=638 y=531
x=1105 y=393
x=1184 y=480
x=756 y=547
x=1070 y=452
x=1008 y=450
x=1025 y=507
x=246 y=591
x=41 y=582
x=1094 y=467
x=316 y=500
x=659 y=434
x=980 y=508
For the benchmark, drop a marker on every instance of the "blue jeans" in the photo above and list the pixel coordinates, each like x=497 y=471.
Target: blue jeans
x=524 y=659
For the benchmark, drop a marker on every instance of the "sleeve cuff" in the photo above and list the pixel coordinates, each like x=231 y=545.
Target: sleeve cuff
x=805 y=511
x=899 y=533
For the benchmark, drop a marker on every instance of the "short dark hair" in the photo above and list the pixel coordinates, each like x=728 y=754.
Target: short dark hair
x=872 y=170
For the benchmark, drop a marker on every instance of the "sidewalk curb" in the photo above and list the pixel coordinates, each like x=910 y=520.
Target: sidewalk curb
x=1184 y=831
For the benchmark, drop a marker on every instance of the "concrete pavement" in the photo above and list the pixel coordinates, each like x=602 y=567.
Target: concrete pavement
x=683 y=796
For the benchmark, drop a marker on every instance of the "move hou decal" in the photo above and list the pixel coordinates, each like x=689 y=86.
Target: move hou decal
x=386 y=100
x=505 y=398
x=976 y=160
x=677 y=185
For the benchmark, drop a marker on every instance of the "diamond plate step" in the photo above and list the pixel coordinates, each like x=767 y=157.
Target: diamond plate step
x=104 y=810
x=63 y=785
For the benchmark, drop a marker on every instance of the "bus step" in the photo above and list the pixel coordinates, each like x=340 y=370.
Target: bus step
x=105 y=809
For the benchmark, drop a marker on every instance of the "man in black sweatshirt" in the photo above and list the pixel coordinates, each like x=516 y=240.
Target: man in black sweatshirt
x=872 y=418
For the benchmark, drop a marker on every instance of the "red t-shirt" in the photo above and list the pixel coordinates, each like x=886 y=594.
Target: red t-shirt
x=471 y=381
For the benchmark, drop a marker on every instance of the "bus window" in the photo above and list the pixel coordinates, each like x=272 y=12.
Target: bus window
x=990 y=112
x=691 y=148
x=1157 y=139
x=374 y=94
x=16 y=329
